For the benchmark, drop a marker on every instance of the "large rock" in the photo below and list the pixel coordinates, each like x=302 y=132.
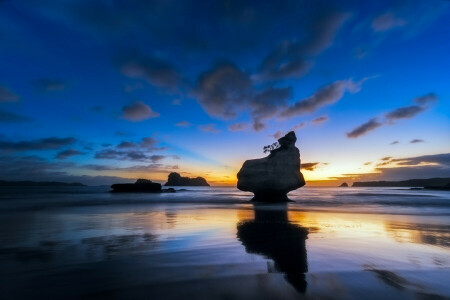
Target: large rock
x=176 y=179
x=272 y=177
x=140 y=186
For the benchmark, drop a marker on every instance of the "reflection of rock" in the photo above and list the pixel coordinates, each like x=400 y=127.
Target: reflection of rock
x=175 y=179
x=272 y=177
x=140 y=186
x=270 y=234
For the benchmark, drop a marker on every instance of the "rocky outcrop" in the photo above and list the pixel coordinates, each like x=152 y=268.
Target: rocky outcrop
x=175 y=179
x=344 y=184
x=140 y=186
x=272 y=177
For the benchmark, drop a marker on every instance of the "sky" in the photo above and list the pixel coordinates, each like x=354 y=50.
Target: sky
x=109 y=91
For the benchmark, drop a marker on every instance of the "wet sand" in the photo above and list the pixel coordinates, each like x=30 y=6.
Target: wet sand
x=208 y=251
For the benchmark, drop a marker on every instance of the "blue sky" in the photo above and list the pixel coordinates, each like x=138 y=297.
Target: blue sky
x=106 y=91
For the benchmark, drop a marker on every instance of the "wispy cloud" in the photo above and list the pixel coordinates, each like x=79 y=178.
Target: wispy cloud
x=407 y=112
x=183 y=124
x=50 y=84
x=138 y=111
x=319 y=120
x=387 y=21
x=10 y=117
x=415 y=141
x=36 y=145
x=238 y=126
x=309 y=166
x=364 y=128
x=326 y=95
x=7 y=95
x=68 y=153
x=209 y=128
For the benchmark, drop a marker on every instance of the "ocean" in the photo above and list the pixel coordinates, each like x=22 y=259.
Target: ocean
x=213 y=243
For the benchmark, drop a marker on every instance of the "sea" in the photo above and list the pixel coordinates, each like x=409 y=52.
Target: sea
x=214 y=243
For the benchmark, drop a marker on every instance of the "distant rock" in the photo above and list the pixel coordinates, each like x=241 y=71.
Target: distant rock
x=176 y=179
x=344 y=184
x=140 y=186
x=38 y=183
x=272 y=177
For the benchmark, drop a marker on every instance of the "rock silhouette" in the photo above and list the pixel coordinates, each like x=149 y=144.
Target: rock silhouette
x=271 y=234
x=140 y=186
x=344 y=184
x=175 y=179
x=272 y=177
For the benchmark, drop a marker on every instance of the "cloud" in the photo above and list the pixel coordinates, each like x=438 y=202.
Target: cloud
x=267 y=103
x=138 y=111
x=319 y=120
x=368 y=163
x=156 y=71
x=36 y=145
x=299 y=126
x=323 y=96
x=406 y=112
x=394 y=143
x=50 y=85
x=425 y=166
x=208 y=128
x=292 y=59
x=132 y=155
x=68 y=153
x=411 y=111
x=278 y=134
x=309 y=166
x=414 y=141
x=386 y=158
x=223 y=90
x=425 y=99
x=10 y=117
x=440 y=159
x=364 y=128
x=147 y=143
x=387 y=21
x=36 y=168
x=238 y=126
x=7 y=96
x=183 y=124
x=133 y=151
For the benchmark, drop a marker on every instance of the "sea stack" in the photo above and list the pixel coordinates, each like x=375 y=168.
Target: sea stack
x=140 y=186
x=272 y=177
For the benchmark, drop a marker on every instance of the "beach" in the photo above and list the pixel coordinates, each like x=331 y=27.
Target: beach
x=213 y=243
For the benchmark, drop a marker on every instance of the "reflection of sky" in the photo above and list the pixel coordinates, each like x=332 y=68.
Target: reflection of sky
x=202 y=243
x=353 y=239
x=45 y=40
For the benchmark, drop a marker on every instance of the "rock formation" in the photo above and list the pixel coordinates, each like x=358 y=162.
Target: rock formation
x=272 y=177
x=175 y=179
x=344 y=184
x=140 y=186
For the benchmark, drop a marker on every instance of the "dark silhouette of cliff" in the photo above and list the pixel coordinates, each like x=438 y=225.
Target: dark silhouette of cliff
x=140 y=186
x=344 y=184
x=176 y=179
x=430 y=182
x=272 y=235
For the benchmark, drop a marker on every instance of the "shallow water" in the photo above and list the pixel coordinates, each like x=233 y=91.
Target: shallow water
x=211 y=243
